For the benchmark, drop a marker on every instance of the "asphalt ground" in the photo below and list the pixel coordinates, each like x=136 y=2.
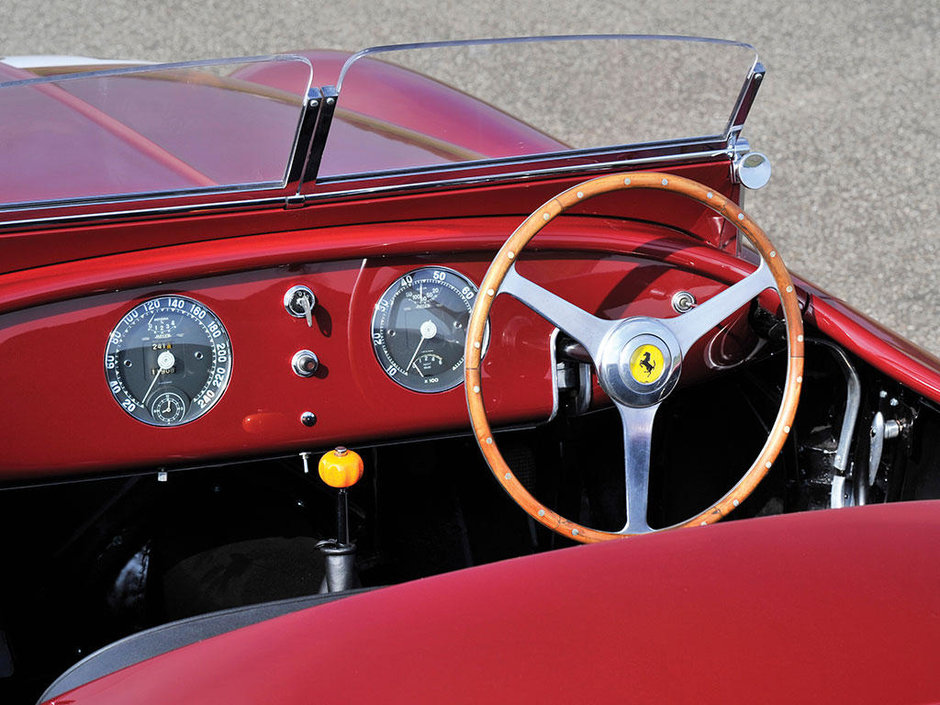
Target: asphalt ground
x=848 y=114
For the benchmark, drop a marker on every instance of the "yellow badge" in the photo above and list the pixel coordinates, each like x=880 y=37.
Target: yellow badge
x=646 y=364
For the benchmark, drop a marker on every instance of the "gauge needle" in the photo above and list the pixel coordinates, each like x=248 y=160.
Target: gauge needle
x=165 y=361
x=156 y=376
x=428 y=331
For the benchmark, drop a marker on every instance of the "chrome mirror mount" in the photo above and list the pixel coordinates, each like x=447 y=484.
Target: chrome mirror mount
x=753 y=170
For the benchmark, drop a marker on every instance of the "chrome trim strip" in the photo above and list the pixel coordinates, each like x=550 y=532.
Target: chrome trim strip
x=667 y=156
x=528 y=174
x=154 y=212
x=636 y=150
x=116 y=199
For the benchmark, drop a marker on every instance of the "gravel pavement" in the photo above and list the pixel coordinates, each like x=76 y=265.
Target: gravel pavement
x=849 y=114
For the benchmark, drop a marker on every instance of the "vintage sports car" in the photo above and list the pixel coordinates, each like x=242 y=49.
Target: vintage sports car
x=311 y=361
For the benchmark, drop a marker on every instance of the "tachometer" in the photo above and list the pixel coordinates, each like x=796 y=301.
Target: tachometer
x=419 y=328
x=168 y=361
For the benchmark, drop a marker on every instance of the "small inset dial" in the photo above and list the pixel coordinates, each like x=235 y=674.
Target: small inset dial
x=168 y=408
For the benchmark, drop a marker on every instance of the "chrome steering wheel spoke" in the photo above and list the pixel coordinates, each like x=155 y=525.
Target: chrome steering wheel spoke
x=637 y=439
x=690 y=326
x=587 y=329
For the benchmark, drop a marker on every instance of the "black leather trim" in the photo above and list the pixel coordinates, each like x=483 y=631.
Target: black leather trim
x=174 y=635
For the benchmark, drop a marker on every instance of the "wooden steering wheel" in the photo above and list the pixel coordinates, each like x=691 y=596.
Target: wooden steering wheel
x=638 y=360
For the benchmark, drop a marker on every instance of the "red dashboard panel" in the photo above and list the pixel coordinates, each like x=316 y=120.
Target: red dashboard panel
x=66 y=420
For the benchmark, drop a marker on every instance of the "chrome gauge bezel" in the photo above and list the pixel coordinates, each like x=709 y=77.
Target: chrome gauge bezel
x=464 y=290
x=174 y=328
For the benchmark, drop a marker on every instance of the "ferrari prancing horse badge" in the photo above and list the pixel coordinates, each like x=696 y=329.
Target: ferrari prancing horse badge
x=646 y=364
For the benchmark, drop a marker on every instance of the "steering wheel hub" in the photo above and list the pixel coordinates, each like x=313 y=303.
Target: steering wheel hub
x=639 y=362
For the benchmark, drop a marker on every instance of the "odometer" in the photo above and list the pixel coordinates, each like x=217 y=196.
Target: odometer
x=168 y=361
x=420 y=326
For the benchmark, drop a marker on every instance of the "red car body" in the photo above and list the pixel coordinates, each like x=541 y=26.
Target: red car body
x=710 y=617
x=813 y=606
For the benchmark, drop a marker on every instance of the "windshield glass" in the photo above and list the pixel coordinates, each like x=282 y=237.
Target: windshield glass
x=153 y=130
x=432 y=105
x=403 y=115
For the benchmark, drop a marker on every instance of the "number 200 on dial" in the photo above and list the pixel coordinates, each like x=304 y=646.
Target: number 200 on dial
x=168 y=361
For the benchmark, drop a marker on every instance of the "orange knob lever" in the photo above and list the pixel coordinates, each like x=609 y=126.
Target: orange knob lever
x=340 y=468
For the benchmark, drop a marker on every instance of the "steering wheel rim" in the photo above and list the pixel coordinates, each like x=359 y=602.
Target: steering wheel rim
x=618 y=349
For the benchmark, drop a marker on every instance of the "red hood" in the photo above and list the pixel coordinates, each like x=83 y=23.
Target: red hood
x=833 y=606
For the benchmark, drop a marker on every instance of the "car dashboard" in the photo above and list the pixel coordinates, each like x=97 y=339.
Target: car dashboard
x=288 y=382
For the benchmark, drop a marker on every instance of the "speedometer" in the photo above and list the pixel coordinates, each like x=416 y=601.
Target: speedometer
x=419 y=328
x=168 y=361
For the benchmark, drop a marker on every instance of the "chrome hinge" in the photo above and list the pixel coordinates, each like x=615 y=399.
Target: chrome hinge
x=737 y=146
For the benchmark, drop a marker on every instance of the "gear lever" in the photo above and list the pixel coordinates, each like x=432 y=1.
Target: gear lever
x=341 y=469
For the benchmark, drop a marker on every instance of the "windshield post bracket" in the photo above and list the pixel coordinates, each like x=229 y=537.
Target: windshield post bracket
x=301 y=154
x=745 y=100
x=318 y=139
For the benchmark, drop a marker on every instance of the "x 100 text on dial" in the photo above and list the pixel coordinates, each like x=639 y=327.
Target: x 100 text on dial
x=419 y=328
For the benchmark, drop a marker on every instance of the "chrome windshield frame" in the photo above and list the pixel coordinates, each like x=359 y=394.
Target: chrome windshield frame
x=316 y=111
x=663 y=148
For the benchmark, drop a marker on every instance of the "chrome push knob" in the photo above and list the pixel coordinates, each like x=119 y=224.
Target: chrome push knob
x=305 y=363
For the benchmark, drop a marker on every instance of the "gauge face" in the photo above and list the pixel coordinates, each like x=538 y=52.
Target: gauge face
x=168 y=361
x=420 y=327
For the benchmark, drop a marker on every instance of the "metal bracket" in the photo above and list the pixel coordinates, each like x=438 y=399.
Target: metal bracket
x=310 y=142
x=738 y=146
x=744 y=102
x=853 y=399
x=881 y=430
x=299 y=157
x=320 y=133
